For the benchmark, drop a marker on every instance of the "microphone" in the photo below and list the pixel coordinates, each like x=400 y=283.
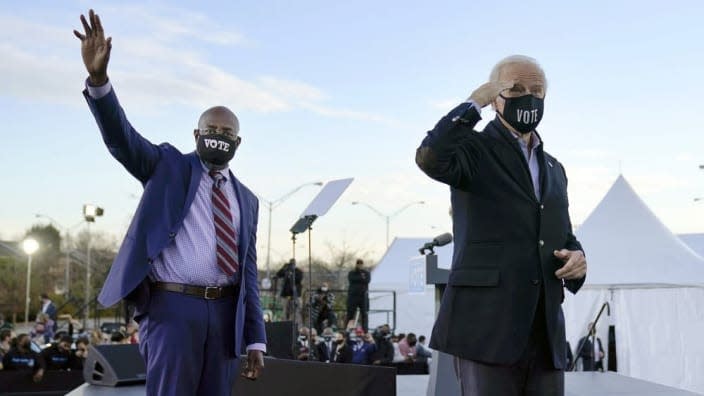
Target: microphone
x=440 y=240
x=443 y=239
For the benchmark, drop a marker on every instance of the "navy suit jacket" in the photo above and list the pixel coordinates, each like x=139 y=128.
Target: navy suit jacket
x=504 y=241
x=170 y=181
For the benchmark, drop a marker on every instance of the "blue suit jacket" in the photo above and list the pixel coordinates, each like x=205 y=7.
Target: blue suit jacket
x=170 y=181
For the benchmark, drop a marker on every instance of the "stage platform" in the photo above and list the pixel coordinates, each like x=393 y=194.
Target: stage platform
x=576 y=384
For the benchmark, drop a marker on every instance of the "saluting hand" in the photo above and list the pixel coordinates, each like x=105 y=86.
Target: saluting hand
x=487 y=92
x=575 y=264
x=95 y=49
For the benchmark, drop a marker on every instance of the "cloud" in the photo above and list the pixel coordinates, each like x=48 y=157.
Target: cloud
x=173 y=23
x=162 y=61
x=292 y=89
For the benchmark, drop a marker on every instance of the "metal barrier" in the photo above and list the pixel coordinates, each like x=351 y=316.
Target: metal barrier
x=273 y=304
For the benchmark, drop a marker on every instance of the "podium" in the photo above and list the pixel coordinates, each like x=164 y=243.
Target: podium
x=443 y=380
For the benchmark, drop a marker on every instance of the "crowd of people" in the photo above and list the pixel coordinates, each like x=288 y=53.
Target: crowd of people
x=322 y=299
x=356 y=346
x=46 y=346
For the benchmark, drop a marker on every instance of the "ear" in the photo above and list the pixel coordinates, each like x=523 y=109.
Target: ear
x=238 y=141
x=196 y=134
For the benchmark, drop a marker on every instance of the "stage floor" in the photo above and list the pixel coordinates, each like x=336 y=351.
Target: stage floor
x=576 y=384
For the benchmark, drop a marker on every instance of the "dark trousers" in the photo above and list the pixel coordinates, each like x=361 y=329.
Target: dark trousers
x=532 y=375
x=358 y=301
x=188 y=344
x=328 y=315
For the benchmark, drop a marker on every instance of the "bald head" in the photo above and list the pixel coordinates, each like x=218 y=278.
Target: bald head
x=219 y=118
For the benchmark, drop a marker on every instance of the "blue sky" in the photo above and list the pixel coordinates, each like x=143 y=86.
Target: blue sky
x=327 y=90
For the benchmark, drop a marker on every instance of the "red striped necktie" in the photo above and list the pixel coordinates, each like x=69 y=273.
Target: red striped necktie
x=225 y=235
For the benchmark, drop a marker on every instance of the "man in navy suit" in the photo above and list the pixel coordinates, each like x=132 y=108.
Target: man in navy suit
x=49 y=308
x=514 y=251
x=188 y=261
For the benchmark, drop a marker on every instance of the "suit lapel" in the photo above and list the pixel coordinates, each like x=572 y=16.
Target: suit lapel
x=243 y=237
x=196 y=174
x=545 y=166
x=511 y=159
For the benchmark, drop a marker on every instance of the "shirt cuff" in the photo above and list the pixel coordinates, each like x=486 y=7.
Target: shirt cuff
x=98 y=92
x=256 y=347
x=472 y=103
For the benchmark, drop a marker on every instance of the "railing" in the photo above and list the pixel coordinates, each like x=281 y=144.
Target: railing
x=273 y=304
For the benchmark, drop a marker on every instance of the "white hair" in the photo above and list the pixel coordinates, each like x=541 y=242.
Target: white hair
x=513 y=60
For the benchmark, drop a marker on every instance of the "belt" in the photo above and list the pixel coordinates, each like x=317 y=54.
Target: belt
x=206 y=292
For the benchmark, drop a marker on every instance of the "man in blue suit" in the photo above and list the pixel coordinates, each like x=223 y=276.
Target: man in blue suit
x=188 y=261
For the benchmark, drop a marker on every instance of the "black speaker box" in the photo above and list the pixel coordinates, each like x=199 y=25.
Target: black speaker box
x=279 y=339
x=114 y=365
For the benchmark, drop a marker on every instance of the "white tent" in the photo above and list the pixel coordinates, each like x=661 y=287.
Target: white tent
x=694 y=241
x=415 y=311
x=654 y=284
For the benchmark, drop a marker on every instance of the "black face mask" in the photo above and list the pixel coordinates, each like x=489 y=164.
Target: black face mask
x=523 y=113
x=216 y=149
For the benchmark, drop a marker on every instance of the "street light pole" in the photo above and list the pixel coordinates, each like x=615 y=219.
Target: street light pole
x=270 y=206
x=30 y=246
x=29 y=283
x=90 y=212
x=67 y=246
x=86 y=296
x=390 y=216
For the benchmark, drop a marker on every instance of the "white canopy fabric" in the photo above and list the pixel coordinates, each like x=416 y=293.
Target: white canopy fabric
x=654 y=284
x=626 y=244
x=415 y=312
x=694 y=241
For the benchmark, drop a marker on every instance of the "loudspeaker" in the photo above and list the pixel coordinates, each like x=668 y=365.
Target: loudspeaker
x=279 y=339
x=114 y=365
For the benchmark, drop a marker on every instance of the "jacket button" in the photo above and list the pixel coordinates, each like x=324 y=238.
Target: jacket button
x=541 y=242
x=542 y=207
x=536 y=281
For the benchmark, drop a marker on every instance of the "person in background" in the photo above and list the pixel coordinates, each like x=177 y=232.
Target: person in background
x=591 y=352
x=323 y=313
x=49 y=309
x=291 y=290
x=58 y=356
x=5 y=324
x=22 y=357
x=343 y=350
x=422 y=352
x=397 y=352
x=43 y=330
x=5 y=343
x=358 y=293
x=78 y=356
x=384 y=353
x=96 y=337
x=407 y=347
x=363 y=347
x=132 y=332
x=118 y=337
x=326 y=347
